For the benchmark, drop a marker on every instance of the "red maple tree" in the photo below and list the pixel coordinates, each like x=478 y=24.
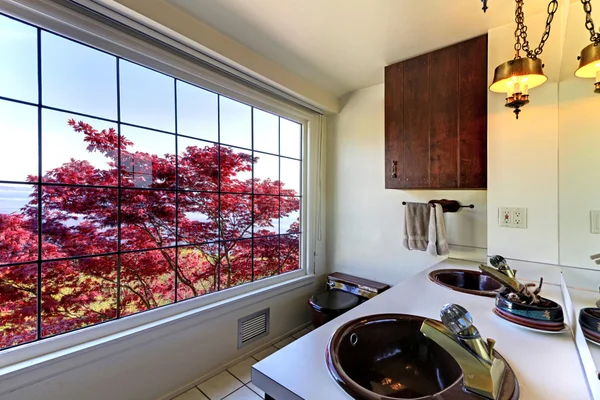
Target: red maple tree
x=213 y=230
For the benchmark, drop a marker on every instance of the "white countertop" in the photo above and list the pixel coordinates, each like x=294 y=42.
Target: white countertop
x=547 y=365
x=589 y=352
x=582 y=299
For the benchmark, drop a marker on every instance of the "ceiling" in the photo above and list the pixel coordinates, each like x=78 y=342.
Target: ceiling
x=343 y=45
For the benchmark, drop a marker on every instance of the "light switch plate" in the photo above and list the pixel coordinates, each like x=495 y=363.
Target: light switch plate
x=595 y=221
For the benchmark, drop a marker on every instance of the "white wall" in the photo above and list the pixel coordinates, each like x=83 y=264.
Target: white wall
x=579 y=137
x=365 y=221
x=523 y=153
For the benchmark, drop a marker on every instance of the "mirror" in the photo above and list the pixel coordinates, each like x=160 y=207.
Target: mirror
x=579 y=186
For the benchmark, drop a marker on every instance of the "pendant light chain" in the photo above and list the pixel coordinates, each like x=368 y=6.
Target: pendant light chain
x=589 y=22
x=521 y=30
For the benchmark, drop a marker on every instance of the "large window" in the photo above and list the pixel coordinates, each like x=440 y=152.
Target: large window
x=123 y=189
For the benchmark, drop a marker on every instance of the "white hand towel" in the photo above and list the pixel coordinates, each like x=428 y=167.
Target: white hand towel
x=438 y=240
x=416 y=223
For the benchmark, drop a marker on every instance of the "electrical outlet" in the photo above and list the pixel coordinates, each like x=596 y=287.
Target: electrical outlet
x=505 y=217
x=519 y=218
x=512 y=217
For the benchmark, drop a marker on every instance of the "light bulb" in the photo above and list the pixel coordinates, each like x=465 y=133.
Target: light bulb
x=597 y=72
x=517 y=88
x=525 y=89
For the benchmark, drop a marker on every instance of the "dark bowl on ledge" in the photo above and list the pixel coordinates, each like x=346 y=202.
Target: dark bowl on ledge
x=589 y=320
x=547 y=315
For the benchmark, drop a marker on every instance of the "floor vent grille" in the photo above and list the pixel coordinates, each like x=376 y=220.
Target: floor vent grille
x=253 y=327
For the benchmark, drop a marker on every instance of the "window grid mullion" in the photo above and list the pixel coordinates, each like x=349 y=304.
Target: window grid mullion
x=150 y=189
x=114 y=253
x=176 y=195
x=217 y=282
x=118 y=121
x=253 y=194
x=39 y=189
x=279 y=199
x=119 y=184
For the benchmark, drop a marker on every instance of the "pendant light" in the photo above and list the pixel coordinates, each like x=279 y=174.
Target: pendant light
x=516 y=77
x=589 y=60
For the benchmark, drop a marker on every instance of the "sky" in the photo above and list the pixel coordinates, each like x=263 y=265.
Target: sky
x=84 y=80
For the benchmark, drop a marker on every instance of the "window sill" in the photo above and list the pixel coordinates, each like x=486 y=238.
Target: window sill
x=37 y=367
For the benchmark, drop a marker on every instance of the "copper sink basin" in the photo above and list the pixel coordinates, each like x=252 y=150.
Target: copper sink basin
x=467 y=281
x=386 y=356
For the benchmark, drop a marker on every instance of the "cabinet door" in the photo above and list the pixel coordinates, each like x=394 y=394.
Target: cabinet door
x=443 y=132
x=473 y=113
x=394 y=125
x=436 y=119
x=415 y=162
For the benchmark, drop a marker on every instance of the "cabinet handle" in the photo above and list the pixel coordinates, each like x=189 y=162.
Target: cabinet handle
x=394 y=169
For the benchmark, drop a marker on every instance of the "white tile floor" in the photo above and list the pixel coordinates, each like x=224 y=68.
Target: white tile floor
x=236 y=382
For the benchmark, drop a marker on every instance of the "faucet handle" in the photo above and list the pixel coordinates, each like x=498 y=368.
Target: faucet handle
x=456 y=318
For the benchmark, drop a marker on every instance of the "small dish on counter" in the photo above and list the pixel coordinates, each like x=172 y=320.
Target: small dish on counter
x=545 y=316
x=589 y=320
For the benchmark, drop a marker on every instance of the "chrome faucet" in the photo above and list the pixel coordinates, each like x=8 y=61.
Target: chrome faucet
x=482 y=371
x=501 y=265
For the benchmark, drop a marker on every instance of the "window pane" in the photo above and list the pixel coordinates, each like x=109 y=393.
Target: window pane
x=236 y=263
x=235 y=123
x=266 y=173
x=266 y=132
x=78 y=221
x=78 y=150
x=198 y=217
x=197 y=112
x=18 y=224
x=149 y=158
x=198 y=164
x=78 y=293
x=18 y=52
x=290 y=177
x=147 y=280
x=236 y=170
x=78 y=78
x=289 y=252
x=19 y=138
x=266 y=215
x=147 y=97
x=147 y=219
x=266 y=257
x=197 y=270
x=18 y=305
x=236 y=216
x=291 y=138
x=290 y=215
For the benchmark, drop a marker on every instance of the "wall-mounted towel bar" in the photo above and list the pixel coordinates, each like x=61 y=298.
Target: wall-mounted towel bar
x=447 y=205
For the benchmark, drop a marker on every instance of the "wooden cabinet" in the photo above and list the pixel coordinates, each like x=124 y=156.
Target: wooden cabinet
x=436 y=119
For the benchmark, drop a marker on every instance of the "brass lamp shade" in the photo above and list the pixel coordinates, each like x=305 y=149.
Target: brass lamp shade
x=589 y=62
x=525 y=70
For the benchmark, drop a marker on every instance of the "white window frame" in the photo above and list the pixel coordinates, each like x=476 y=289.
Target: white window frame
x=69 y=23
